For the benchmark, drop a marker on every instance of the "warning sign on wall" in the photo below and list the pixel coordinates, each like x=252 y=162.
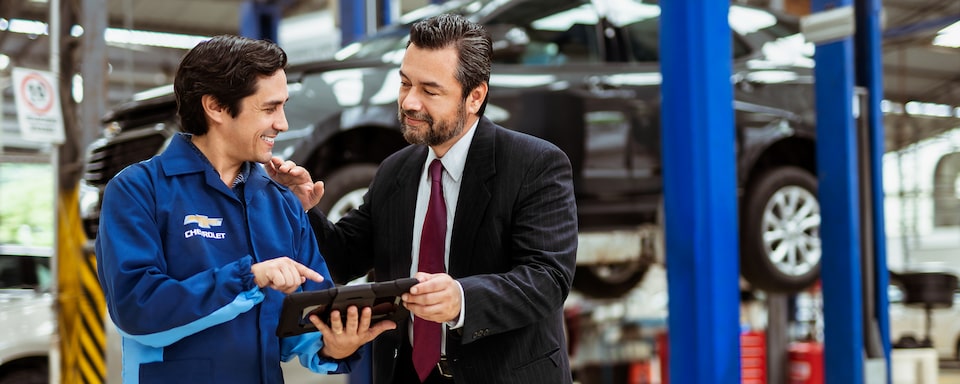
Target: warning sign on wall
x=38 y=106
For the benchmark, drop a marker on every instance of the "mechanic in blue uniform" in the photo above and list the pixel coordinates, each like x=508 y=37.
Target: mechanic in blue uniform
x=197 y=246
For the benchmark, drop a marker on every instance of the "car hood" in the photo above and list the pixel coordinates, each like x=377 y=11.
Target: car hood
x=26 y=323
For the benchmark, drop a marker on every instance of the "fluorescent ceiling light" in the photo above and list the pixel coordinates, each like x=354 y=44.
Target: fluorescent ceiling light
x=748 y=20
x=154 y=39
x=153 y=92
x=28 y=27
x=949 y=36
x=919 y=108
x=929 y=109
x=115 y=36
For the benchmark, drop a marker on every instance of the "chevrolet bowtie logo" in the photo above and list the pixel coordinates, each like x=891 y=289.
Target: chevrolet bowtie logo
x=202 y=221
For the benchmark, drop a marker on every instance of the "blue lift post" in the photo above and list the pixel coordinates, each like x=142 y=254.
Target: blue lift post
x=700 y=202
x=261 y=19
x=353 y=21
x=840 y=228
x=869 y=75
x=386 y=12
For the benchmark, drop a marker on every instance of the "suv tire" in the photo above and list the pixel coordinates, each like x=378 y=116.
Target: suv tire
x=344 y=189
x=609 y=281
x=780 y=237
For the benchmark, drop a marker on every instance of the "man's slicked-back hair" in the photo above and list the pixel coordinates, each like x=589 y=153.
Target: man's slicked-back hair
x=227 y=68
x=472 y=41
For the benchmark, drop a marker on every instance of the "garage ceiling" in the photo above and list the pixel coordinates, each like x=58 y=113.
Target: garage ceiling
x=196 y=17
x=914 y=69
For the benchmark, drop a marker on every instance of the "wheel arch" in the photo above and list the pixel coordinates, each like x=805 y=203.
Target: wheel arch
x=37 y=362
x=366 y=144
x=796 y=151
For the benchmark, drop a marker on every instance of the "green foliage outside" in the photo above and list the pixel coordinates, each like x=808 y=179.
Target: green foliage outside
x=26 y=204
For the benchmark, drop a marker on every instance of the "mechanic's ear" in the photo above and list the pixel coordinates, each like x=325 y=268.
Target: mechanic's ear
x=476 y=97
x=212 y=108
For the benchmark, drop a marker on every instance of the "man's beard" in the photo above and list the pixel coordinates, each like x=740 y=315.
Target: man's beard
x=433 y=135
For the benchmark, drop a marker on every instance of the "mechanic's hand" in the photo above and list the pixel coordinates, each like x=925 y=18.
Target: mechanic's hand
x=283 y=274
x=296 y=178
x=436 y=297
x=342 y=340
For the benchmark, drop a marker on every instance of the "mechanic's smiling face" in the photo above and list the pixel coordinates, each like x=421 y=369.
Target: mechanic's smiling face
x=260 y=119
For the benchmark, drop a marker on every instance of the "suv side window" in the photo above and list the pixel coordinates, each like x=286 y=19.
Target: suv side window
x=538 y=33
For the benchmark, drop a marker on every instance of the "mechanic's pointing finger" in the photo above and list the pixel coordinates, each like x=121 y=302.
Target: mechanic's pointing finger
x=309 y=273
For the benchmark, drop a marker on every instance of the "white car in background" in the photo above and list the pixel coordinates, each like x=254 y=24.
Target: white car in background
x=26 y=314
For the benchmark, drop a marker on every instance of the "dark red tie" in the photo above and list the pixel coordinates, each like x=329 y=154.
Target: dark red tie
x=426 y=334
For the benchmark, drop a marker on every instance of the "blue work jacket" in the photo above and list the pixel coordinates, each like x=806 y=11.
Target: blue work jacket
x=174 y=251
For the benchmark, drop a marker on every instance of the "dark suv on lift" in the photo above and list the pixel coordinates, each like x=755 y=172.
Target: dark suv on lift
x=583 y=74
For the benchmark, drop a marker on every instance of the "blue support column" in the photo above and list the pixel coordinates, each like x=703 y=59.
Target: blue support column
x=870 y=76
x=260 y=20
x=353 y=21
x=837 y=170
x=700 y=200
x=386 y=12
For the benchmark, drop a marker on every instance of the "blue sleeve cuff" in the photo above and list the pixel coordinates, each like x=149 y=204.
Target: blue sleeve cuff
x=346 y=365
x=246 y=274
x=307 y=347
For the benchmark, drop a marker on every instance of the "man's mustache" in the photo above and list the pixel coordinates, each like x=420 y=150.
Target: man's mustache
x=418 y=116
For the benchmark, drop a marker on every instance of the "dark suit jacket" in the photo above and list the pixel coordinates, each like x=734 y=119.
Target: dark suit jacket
x=513 y=250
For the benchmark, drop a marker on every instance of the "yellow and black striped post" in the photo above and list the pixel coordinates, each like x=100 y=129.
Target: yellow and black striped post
x=80 y=302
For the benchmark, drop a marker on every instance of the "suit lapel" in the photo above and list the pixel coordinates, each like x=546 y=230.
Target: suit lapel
x=403 y=202
x=474 y=197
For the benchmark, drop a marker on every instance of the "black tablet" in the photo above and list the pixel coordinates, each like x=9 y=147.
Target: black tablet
x=383 y=298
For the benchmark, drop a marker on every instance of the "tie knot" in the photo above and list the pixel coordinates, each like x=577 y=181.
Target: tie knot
x=436 y=167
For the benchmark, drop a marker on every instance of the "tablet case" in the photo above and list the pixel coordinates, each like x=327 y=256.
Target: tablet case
x=383 y=298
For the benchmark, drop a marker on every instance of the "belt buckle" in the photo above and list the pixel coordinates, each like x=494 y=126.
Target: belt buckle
x=443 y=366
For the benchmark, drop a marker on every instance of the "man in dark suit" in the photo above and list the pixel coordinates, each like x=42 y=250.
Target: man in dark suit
x=494 y=208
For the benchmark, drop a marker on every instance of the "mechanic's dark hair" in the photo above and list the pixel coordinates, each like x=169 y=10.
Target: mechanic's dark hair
x=225 y=67
x=471 y=40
